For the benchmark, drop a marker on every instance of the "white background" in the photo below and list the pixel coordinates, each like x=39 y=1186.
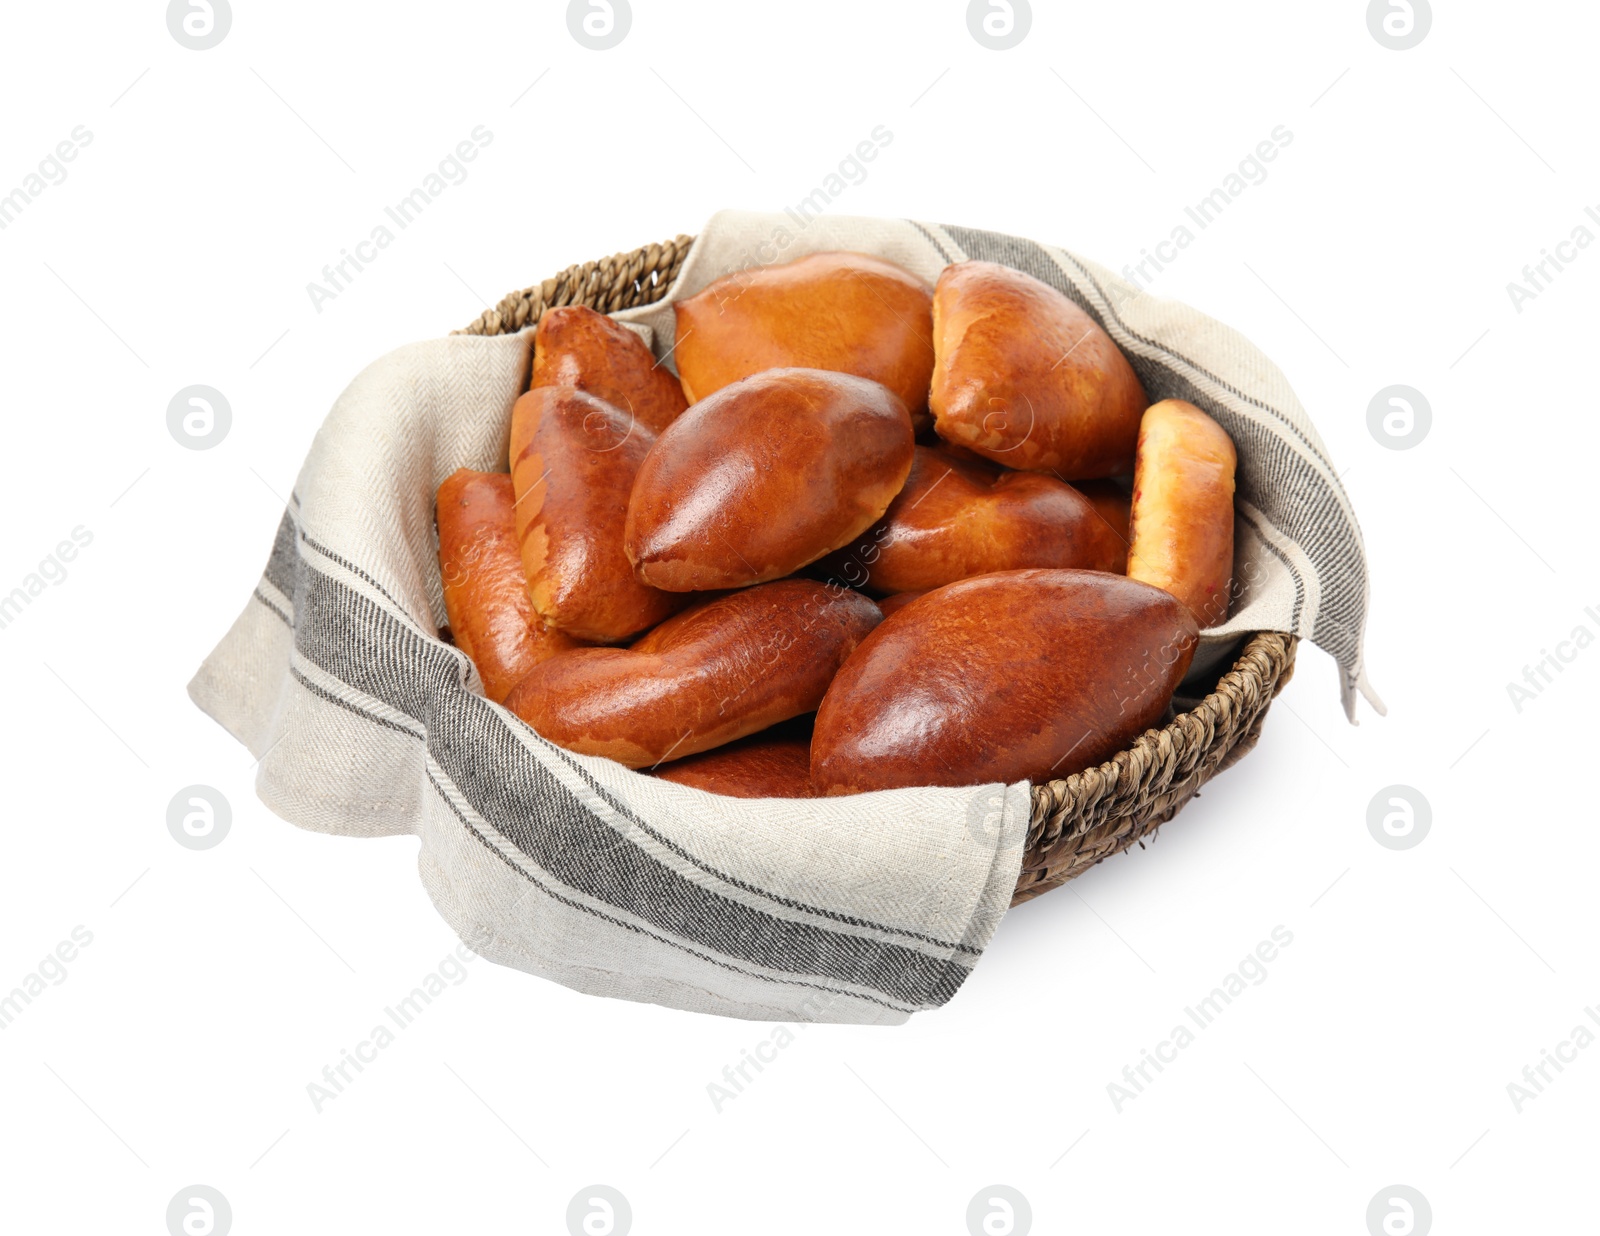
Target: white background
x=1419 y=983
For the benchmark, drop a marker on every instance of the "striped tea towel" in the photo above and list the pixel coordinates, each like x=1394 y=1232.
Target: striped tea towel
x=609 y=881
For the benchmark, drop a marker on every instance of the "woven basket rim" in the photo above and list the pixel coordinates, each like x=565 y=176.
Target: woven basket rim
x=1077 y=820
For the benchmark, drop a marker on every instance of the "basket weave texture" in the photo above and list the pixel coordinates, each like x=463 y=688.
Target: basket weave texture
x=1078 y=820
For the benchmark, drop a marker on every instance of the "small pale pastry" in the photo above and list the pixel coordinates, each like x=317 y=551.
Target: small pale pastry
x=1181 y=537
x=1028 y=379
x=848 y=312
x=575 y=346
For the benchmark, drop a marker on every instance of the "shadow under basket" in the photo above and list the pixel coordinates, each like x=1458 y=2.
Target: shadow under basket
x=1078 y=820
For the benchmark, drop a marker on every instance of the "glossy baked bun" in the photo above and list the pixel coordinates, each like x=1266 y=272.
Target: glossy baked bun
x=765 y=476
x=899 y=600
x=1016 y=676
x=492 y=618
x=575 y=346
x=847 y=312
x=573 y=460
x=726 y=668
x=1028 y=379
x=959 y=517
x=761 y=766
x=1113 y=504
x=1182 y=522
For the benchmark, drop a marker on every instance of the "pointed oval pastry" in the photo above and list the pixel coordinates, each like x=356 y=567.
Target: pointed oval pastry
x=1181 y=537
x=1016 y=676
x=1028 y=379
x=765 y=476
x=575 y=346
x=1113 y=504
x=847 y=312
x=723 y=669
x=492 y=618
x=899 y=600
x=573 y=461
x=958 y=517
x=760 y=766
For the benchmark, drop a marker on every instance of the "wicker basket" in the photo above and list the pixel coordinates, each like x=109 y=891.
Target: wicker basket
x=1080 y=819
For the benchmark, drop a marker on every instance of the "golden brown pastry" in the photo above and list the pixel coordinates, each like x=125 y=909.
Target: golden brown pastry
x=761 y=766
x=723 y=669
x=573 y=460
x=575 y=346
x=1113 y=504
x=899 y=600
x=492 y=618
x=765 y=476
x=1020 y=675
x=1181 y=537
x=1028 y=379
x=959 y=517
x=842 y=311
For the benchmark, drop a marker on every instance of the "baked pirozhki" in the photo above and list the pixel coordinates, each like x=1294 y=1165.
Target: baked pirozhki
x=720 y=670
x=1114 y=504
x=676 y=573
x=847 y=312
x=1016 y=676
x=958 y=517
x=1024 y=377
x=573 y=460
x=888 y=605
x=575 y=346
x=1181 y=529
x=492 y=618
x=765 y=477
x=760 y=766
